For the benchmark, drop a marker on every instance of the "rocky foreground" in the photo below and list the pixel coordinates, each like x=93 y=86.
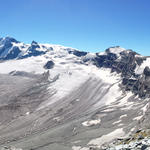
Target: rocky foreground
x=138 y=141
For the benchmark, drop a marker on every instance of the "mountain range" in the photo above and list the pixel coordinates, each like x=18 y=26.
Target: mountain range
x=59 y=98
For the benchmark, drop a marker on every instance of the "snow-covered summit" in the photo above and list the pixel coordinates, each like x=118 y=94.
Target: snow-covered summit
x=13 y=49
x=115 y=50
x=7 y=40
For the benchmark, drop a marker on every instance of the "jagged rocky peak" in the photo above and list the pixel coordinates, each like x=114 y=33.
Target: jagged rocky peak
x=119 y=59
x=114 y=57
x=34 y=43
x=125 y=62
x=7 y=40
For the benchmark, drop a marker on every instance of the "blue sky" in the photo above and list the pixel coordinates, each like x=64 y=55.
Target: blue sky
x=91 y=25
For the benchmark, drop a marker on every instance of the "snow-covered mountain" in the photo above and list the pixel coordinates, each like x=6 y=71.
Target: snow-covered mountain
x=58 y=98
x=10 y=48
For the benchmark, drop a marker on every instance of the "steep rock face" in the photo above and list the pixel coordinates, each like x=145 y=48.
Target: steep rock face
x=13 y=53
x=125 y=65
x=147 y=71
x=140 y=85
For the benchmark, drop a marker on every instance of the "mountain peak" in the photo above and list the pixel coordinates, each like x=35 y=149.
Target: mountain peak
x=116 y=50
x=34 y=43
x=9 y=39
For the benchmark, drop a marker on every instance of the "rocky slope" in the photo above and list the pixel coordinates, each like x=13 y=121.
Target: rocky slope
x=58 y=98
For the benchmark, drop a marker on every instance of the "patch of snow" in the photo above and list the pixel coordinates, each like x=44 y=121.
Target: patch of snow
x=102 y=53
x=27 y=113
x=77 y=100
x=124 y=103
x=79 y=148
x=132 y=129
x=117 y=122
x=84 y=148
x=125 y=115
x=91 y=122
x=105 y=74
x=57 y=119
x=138 y=117
x=108 y=110
x=1 y=45
x=89 y=56
x=121 y=124
x=136 y=96
x=76 y=148
x=144 y=109
x=116 y=50
x=107 y=138
x=23 y=47
x=113 y=94
x=140 y=69
x=75 y=142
